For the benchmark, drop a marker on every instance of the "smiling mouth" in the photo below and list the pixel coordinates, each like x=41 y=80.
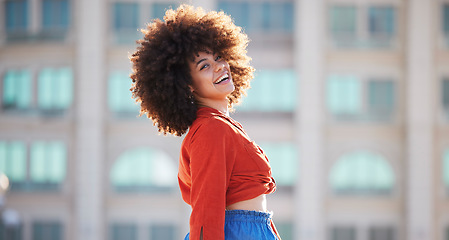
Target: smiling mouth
x=223 y=78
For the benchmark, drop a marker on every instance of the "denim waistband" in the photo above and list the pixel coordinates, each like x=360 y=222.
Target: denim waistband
x=248 y=216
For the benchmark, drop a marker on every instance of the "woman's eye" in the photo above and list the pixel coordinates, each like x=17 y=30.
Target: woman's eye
x=204 y=66
x=217 y=58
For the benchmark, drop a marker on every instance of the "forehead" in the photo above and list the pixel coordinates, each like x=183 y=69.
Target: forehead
x=201 y=52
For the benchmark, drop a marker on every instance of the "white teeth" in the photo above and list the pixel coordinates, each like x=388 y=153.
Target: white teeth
x=221 y=78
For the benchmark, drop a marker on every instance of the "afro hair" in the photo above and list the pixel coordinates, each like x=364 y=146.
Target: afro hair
x=161 y=76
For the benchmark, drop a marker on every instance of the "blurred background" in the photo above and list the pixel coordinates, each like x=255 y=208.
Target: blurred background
x=350 y=102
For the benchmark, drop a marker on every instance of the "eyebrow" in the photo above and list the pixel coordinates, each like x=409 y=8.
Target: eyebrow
x=200 y=61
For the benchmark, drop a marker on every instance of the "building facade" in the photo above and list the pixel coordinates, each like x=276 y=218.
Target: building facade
x=350 y=102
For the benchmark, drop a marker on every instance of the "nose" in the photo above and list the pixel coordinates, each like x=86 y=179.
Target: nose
x=219 y=66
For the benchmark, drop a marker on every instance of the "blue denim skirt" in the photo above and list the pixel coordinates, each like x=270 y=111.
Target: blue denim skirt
x=248 y=225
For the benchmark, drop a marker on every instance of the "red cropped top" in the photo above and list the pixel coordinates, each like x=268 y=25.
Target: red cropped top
x=219 y=165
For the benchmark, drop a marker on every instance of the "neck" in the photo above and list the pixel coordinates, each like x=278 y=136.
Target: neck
x=221 y=106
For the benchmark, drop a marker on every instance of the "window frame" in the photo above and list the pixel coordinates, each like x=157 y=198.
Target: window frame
x=365 y=111
x=362 y=38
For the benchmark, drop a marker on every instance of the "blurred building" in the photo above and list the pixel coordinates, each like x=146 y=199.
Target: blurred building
x=350 y=102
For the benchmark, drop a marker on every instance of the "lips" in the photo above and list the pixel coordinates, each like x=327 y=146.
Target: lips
x=222 y=78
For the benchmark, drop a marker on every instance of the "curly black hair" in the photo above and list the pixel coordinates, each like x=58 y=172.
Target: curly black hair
x=161 y=75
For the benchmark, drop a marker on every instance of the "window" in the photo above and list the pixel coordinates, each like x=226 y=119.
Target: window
x=343 y=25
x=343 y=233
x=445 y=23
x=13 y=160
x=445 y=97
x=260 y=16
x=47 y=230
x=285 y=229
x=55 y=89
x=144 y=169
x=55 y=18
x=163 y=231
x=447 y=233
x=381 y=233
x=10 y=231
x=160 y=8
x=446 y=169
x=126 y=18
x=17 y=90
x=283 y=159
x=362 y=172
x=123 y=231
x=16 y=18
x=47 y=164
x=350 y=98
x=353 y=26
x=271 y=91
x=344 y=95
x=381 y=98
x=382 y=25
x=120 y=99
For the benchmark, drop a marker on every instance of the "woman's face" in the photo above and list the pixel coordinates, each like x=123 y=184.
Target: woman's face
x=211 y=77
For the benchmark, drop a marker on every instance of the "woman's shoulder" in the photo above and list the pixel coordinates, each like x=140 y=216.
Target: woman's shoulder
x=211 y=124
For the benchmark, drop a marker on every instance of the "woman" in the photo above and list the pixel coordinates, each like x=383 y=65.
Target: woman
x=188 y=72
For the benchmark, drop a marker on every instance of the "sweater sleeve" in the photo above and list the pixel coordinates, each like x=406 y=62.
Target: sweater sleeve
x=211 y=160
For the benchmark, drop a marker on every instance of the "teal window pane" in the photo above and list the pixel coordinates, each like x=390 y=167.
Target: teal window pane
x=3 y=156
x=343 y=233
x=271 y=91
x=239 y=11
x=264 y=90
x=382 y=232
x=16 y=15
x=55 y=14
x=382 y=20
x=123 y=231
x=342 y=21
x=163 y=231
x=17 y=89
x=285 y=229
x=158 y=9
x=283 y=159
x=445 y=94
x=287 y=95
x=16 y=162
x=279 y=16
x=46 y=89
x=259 y=18
x=119 y=96
x=381 y=96
x=64 y=94
x=446 y=168
x=57 y=161
x=47 y=230
x=344 y=95
x=446 y=19
x=126 y=16
x=362 y=172
x=25 y=88
x=288 y=16
x=14 y=232
x=10 y=88
x=38 y=161
x=55 y=89
x=48 y=162
x=126 y=22
x=143 y=169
